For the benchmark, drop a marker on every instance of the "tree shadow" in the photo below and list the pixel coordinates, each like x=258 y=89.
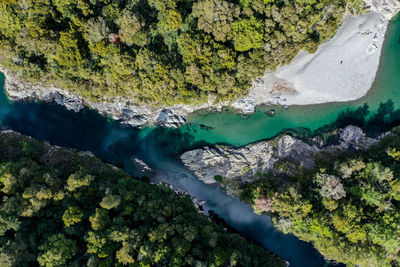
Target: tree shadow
x=373 y=124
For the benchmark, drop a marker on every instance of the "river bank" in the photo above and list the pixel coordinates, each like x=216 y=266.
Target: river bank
x=156 y=147
x=342 y=69
x=350 y=80
x=233 y=167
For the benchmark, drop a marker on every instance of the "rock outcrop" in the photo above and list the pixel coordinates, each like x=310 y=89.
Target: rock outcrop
x=245 y=105
x=246 y=162
x=119 y=108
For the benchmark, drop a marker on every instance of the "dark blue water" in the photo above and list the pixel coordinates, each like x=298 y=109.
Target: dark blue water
x=159 y=148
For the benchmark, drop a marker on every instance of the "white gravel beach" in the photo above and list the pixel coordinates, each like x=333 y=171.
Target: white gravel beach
x=342 y=69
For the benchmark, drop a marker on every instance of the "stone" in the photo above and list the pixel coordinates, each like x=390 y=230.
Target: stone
x=241 y=165
x=140 y=168
x=245 y=105
x=169 y=118
x=353 y=136
x=270 y=113
x=119 y=108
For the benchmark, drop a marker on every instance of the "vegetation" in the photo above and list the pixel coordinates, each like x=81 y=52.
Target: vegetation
x=60 y=207
x=166 y=51
x=348 y=207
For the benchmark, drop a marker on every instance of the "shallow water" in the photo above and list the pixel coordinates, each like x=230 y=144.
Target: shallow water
x=232 y=129
x=160 y=148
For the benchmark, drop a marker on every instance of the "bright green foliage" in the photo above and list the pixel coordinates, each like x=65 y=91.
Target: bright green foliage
x=131 y=29
x=75 y=210
x=72 y=216
x=169 y=51
x=57 y=250
x=77 y=180
x=110 y=202
x=247 y=34
x=99 y=220
x=394 y=153
x=96 y=29
x=348 y=208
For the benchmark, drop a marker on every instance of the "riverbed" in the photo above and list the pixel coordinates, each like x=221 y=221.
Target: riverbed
x=160 y=148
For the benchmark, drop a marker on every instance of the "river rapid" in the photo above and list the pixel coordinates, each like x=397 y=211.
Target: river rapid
x=160 y=148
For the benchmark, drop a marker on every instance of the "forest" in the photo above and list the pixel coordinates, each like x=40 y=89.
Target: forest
x=161 y=52
x=61 y=207
x=348 y=207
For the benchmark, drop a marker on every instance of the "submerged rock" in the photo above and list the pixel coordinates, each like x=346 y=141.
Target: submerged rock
x=140 y=168
x=270 y=113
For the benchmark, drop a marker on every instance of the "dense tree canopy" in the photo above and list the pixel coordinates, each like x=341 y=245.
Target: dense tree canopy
x=168 y=51
x=349 y=207
x=63 y=208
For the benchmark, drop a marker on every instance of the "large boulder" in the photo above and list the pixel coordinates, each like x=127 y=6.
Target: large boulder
x=240 y=165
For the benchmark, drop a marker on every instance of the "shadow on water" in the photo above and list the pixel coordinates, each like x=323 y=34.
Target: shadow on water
x=373 y=124
x=160 y=148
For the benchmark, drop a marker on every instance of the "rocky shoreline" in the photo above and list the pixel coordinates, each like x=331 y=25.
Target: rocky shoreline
x=284 y=154
x=128 y=112
x=119 y=109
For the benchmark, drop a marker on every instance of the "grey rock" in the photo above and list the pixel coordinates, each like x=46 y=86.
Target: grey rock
x=352 y=136
x=245 y=162
x=140 y=168
x=121 y=109
x=169 y=118
x=86 y=154
x=297 y=150
x=245 y=105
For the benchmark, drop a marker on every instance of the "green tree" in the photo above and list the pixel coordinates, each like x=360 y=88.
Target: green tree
x=100 y=219
x=56 y=251
x=72 y=215
x=247 y=34
x=131 y=28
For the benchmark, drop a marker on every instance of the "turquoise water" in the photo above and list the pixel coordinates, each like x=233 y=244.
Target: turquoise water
x=232 y=129
x=160 y=148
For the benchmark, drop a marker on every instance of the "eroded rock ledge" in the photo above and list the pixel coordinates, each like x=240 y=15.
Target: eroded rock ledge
x=243 y=164
x=119 y=108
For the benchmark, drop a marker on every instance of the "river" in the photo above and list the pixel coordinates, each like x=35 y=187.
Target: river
x=160 y=148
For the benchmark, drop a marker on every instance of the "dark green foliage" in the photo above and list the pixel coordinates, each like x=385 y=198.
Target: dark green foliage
x=349 y=207
x=59 y=208
x=218 y=178
x=168 y=52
